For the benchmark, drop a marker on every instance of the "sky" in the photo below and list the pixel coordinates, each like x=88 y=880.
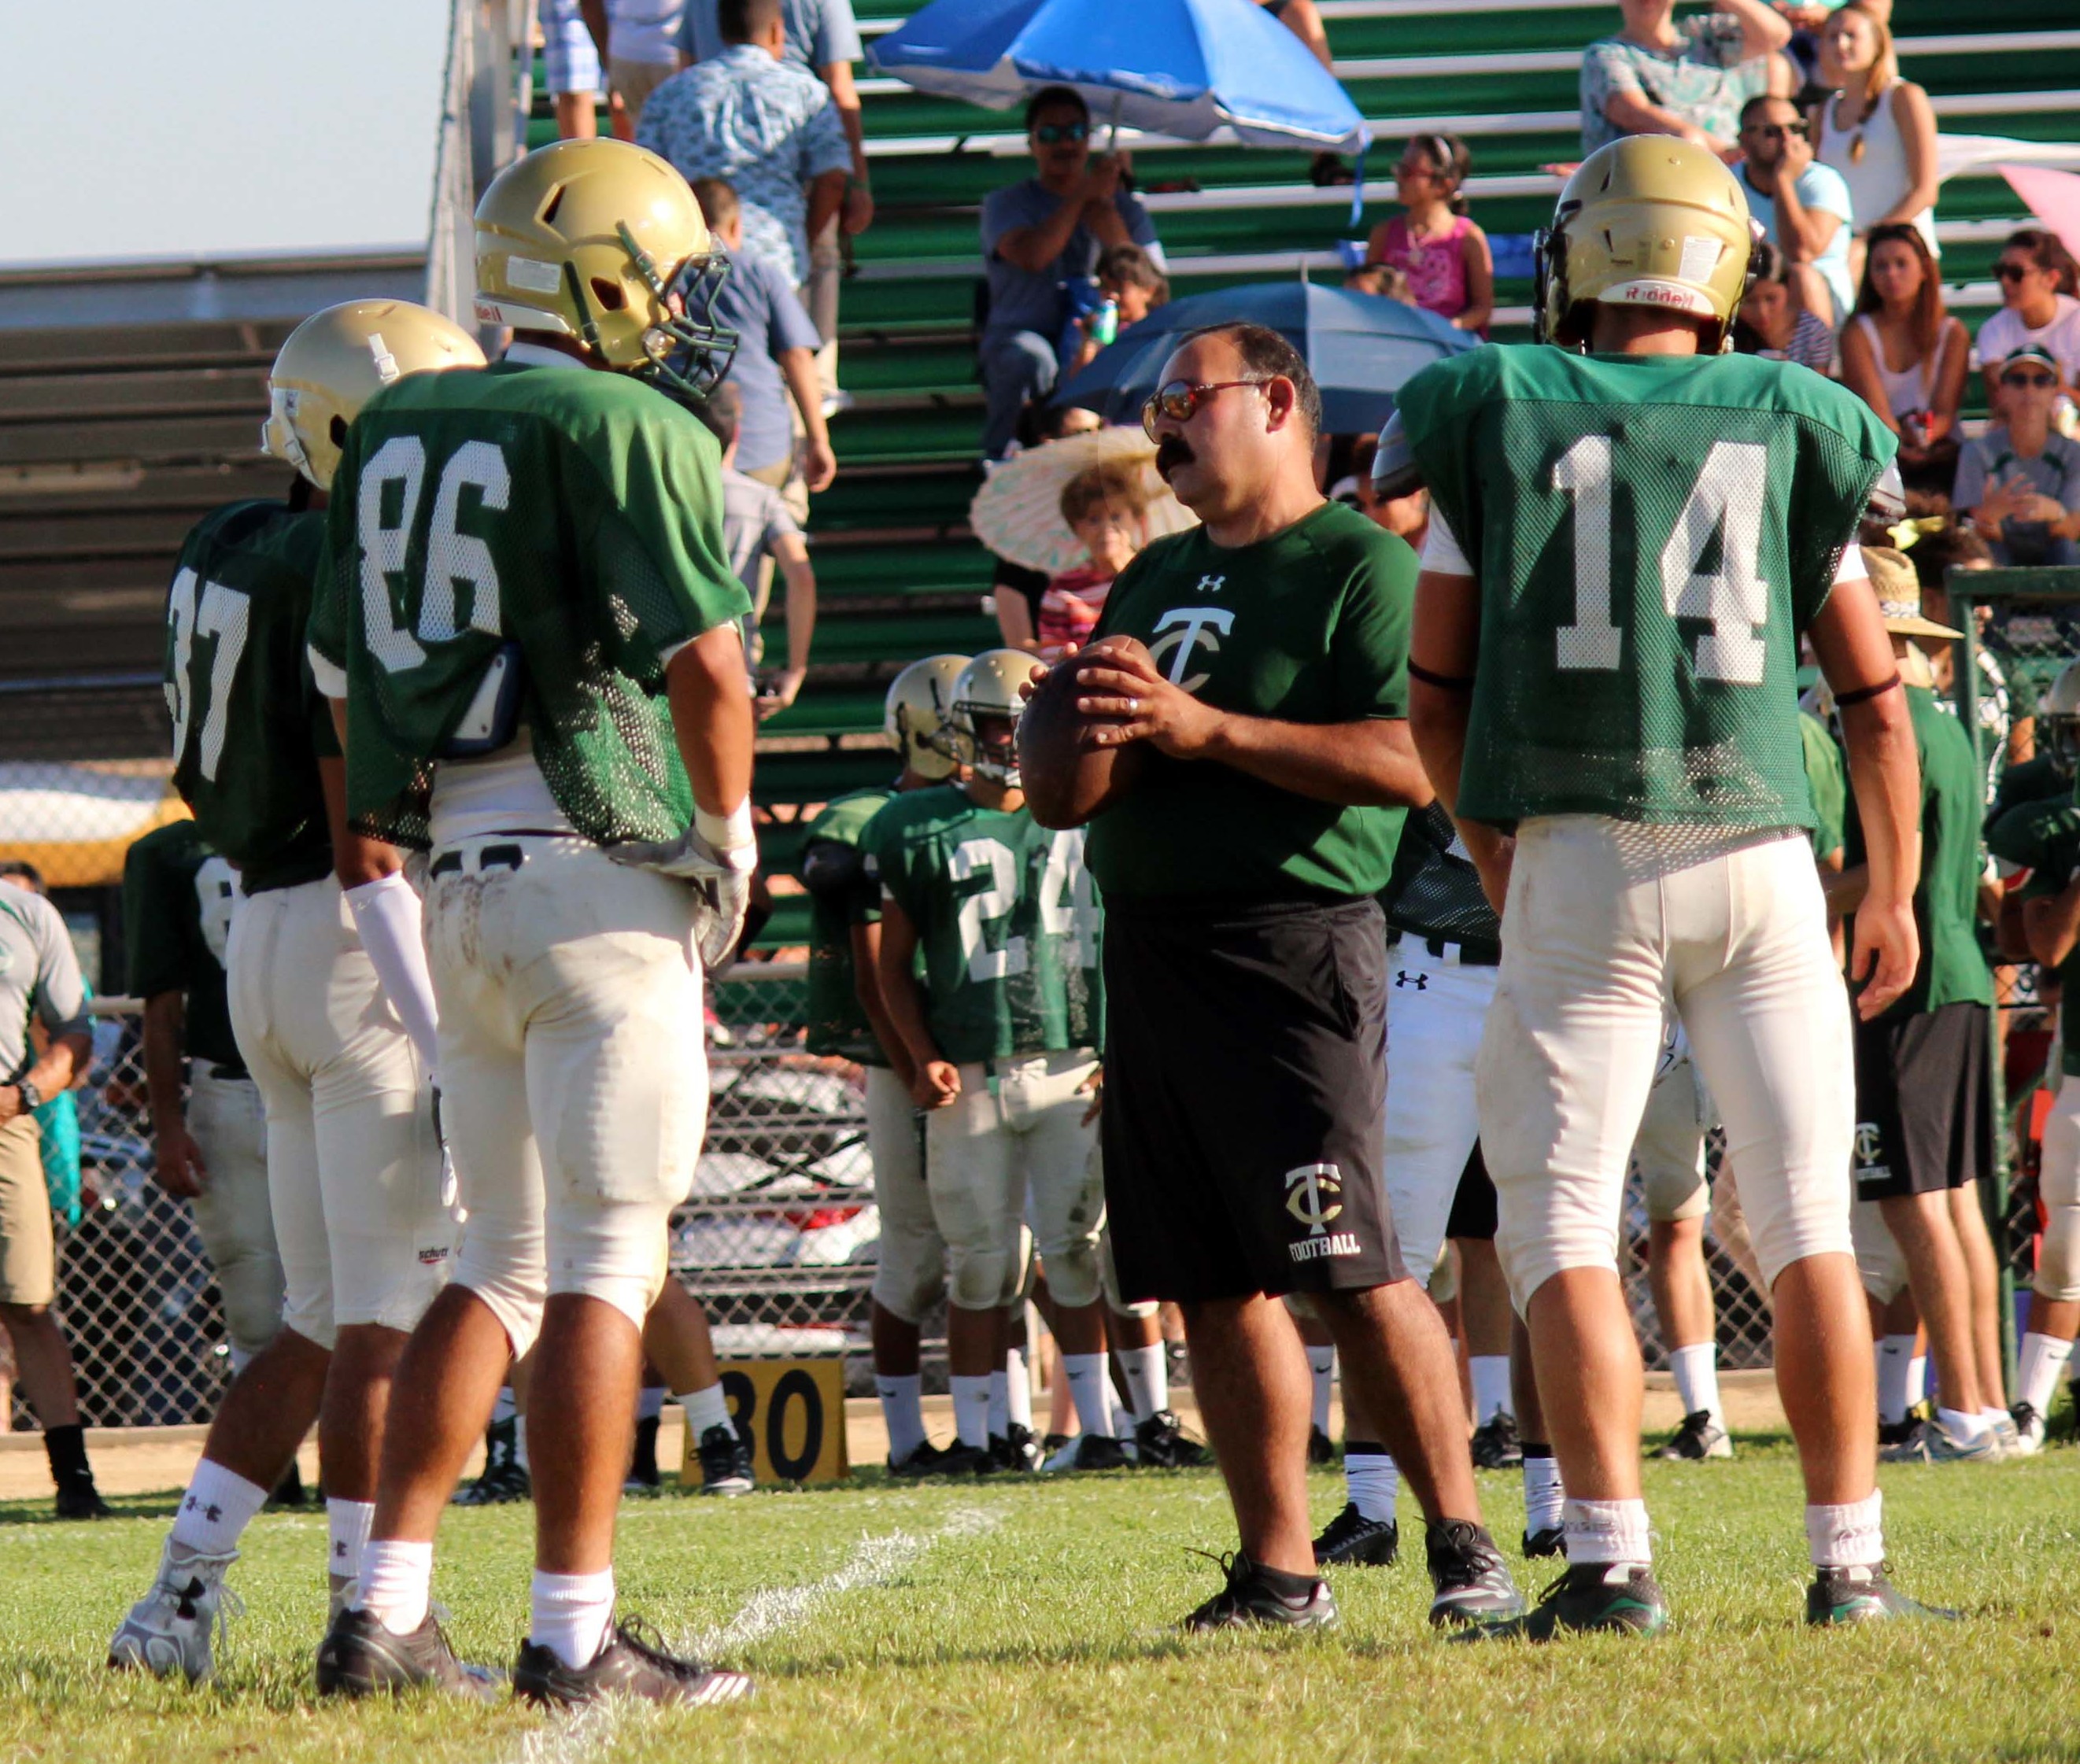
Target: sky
x=206 y=128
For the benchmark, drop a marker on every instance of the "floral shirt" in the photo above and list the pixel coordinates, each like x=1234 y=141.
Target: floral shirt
x=1703 y=79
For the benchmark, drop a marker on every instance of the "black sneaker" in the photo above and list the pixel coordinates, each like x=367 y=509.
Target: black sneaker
x=1899 y=1441
x=1320 y=1450
x=925 y=1459
x=1052 y=1443
x=288 y=1495
x=1495 y=1444
x=1161 y=1440
x=359 y=1657
x=1015 y=1449
x=503 y=1479
x=1699 y=1437
x=1090 y=1451
x=1352 y=1540
x=1589 y=1596
x=629 y=1664
x=78 y=1498
x=1852 y=1595
x=643 y=1476
x=1552 y=1541
x=960 y=1460
x=1249 y=1600
x=725 y=1456
x=1472 y=1582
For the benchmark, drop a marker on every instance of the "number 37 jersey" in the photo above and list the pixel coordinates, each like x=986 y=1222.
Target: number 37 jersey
x=1651 y=535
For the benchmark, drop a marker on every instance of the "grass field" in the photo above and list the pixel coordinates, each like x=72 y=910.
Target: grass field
x=1034 y=1620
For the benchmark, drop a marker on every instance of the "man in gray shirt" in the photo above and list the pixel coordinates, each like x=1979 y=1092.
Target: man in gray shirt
x=38 y=980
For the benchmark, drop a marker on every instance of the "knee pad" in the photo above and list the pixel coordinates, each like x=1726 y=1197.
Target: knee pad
x=1108 y=1283
x=502 y=1262
x=1072 y=1274
x=1880 y=1263
x=2058 y=1257
x=251 y=1289
x=984 y=1279
x=908 y=1284
x=615 y=1251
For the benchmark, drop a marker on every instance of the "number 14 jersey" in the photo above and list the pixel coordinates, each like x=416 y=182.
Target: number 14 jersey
x=1651 y=533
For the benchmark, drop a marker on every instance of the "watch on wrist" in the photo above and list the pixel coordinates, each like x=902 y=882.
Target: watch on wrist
x=31 y=1097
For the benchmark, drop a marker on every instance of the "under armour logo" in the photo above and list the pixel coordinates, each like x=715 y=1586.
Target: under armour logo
x=1210 y=585
x=1308 y=1192
x=1188 y=626
x=1420 y=981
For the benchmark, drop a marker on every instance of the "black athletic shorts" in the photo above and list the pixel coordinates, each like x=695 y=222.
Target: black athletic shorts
x=1474 y=1206
x=1245 y=1086
x=1924 y=1102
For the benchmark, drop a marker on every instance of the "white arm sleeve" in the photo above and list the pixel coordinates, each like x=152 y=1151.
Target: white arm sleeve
x=1440 y=548
x=386 y=913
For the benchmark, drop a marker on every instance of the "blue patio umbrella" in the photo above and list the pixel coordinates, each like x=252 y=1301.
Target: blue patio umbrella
x=1360 y=348
x=1209 y=70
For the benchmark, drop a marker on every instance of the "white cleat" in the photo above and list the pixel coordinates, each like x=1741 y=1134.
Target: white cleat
x=172 y=1627
x=2029 y=1432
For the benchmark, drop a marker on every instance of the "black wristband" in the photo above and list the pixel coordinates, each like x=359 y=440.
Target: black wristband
x=1843 y=699
x=1442 y=682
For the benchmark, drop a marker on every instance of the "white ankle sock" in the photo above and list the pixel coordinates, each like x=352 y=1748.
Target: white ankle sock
x=1147 y=1379
x=704 y=1409
x=1960 y=1426
x=1696 y=1369
x=2044 y=1357
x=971 y=1408
x=1895 y=1369
x=1607 y=1531
x=218 y=1505
x=1544 y=1498
x=1018 y=1389
x=1321 y=1368
x=397 y=1582
x=1371 y=1480
x=347 y=1523
x=1849 y=1535
x=1492 y=1393
x=650 y=1402
x=571 y=1613
x=1088 y=1391
x=1000 y=1405
x=902 y=1408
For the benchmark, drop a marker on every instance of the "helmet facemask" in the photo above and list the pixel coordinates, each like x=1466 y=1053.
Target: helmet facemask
x=688 y=352
x=2061 y=741
x=988 y=739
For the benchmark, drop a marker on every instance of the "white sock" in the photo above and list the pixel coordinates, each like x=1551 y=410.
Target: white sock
x=1018 y=1389
x=1088 y=1391
x=1321 y=1368
x=571 y=1613
x=218 y=1505
x=1895 y=1369
x=1000 y=1405
x=1543 y=1496
x=1960 y=1426
x=348 y=1523
x=1846 y=1537
x=1371 y=1479
x=1696 y=1369
x=1607 y=1531
x=1122 y=1422
x=902 y=1409
x=1917 y=1381
x=1491 y=1395
x=397 y=1582
x=704 y=1409
x=1147 y=1379
x=2044 y=1357
x=650 y=1402
x=503 y=1409
x=971 y=1408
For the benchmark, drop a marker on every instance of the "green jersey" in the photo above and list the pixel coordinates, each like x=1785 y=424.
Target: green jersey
x=1309 y=626
x=249 y=725
x=1007 y=922
x=843 y=894
x=2043 y=837
x=1827 y=780
x=2034 y=781
x=1946 y=901
x=520 y=544
x=1650 y=535
x=177 y=896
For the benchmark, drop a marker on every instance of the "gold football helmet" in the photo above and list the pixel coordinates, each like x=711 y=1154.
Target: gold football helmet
x=987 y=692
x=1649 y=220
x=915 y=715
x=602 y=242
x=335 y=361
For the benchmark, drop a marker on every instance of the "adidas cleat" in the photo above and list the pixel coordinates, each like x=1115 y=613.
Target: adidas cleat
x=1250 y=1600
x=173 y=1626
x=1699 y=1437
x=359 y=1657
x=725 y=1459
x=1352 y=1540
x=1495 y=1445
x=1161 y=1441
x=1850 y=1595
x=1618 y=1596
x=629 y=1663
x=1472 y=1583
x=1550 y=1541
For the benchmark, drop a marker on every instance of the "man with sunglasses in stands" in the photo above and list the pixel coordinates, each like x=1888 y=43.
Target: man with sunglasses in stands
x=1801 y=207
x=1039 y=235
x=1246 y=956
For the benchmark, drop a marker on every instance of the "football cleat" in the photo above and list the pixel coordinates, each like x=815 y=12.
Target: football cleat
x=288 y=1495
x=1936 y=1444
x=1320 y=1450
x=1551 y=1541
x=1850 y=1595
x=1352 y=1540
x=2009 y=1436
x=359 y=1657
x=643 y=1476
x=631 y=1663
x=1090 y=1451
x=1472 y=1583
x=1619 y=1596
x=925 y=1459
x=725 y=1457
x=2029 y=1430
x=1699 y=1437
x=1899 y=1441
x=1161 y=1441
x=173 y=1626
x=1495 y=1445
x=1015 y=1449
x=1249 y=1600
x=960 y=1459
x=504 y=1477
x=78 y=1498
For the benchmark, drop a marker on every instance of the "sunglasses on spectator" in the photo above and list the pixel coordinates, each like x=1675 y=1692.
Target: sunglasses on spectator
x=1778 y=130
x=1179 y=401
x=2035 y=382
x=2012 y=272
x=1054 y=134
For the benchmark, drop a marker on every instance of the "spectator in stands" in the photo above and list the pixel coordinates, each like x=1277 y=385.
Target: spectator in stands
x=2037 y=308
x=1771 y=321
x=1658 y=78
x=1802 y=208
x=1435 y=244
x=1106 y=507
x=1877 y=133
x=571 y=71
x=40 y=979
x=771 y=130
x=1014 y=590
x=1303 y=19
x=1407 y=515
x=1037 y=235
x=758 y=533
x=642 y=53
x=822 y=37
x=1906 y=357
x=1127 y=277
x=2020 y=480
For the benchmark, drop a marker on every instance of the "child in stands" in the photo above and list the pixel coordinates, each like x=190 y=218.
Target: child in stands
x=1441 y=251
x=1106 y=506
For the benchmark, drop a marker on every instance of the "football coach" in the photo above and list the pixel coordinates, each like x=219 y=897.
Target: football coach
x=1245 y=966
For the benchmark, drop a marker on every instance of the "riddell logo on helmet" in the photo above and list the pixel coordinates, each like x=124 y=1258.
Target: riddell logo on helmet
x=1672 y=295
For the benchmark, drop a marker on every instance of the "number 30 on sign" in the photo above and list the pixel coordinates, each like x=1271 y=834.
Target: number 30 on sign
x=794 y=1413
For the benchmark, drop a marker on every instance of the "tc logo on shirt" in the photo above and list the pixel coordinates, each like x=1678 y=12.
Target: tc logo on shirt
x=1188 y=627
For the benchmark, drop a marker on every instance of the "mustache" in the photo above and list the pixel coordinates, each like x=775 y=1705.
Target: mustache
x=1171 y=452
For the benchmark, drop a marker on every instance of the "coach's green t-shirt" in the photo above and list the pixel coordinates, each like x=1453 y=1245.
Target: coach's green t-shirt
x=2044 y=837
x=1007 y=922
x=1650 y=534
x=1309 y=626
x=1827 y=779
x=178 y=896
x=843 y=893
x=1946 y=902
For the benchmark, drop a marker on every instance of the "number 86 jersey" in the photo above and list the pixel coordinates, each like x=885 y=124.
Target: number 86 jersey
x=1651 y=535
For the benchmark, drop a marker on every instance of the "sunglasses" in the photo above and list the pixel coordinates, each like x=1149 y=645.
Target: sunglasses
x=1778 y=130
x=2012 y=272
x=1179 y=401
x=1054 y=134
x=2035 y=382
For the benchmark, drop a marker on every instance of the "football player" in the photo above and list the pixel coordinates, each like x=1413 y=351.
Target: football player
x=1628 y=532
x=848 y=1019
x=527 y=615
x=1000 y=1033
x=353 y=1158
